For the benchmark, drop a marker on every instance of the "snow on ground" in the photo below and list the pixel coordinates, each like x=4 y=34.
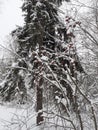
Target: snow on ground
x=23 y=118
x=6 y=116
x=16 y=118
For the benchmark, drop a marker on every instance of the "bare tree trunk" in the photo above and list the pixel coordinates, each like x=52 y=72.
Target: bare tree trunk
x=39 y=105
x=39 y=94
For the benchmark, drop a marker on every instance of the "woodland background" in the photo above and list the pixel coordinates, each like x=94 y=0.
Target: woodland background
x=49 y=67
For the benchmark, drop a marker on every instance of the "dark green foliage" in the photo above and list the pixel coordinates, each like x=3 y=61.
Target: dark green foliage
x=46 y=61
x=40 y=21
x=14 y=87
x=37 y=38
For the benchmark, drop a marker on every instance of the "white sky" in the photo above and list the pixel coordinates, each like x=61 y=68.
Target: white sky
x=10 y=16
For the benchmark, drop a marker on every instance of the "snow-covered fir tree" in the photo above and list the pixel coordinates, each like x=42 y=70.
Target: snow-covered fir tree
x=46 y=60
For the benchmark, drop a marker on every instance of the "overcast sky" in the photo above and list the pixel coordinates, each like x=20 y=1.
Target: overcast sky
x=10 y=16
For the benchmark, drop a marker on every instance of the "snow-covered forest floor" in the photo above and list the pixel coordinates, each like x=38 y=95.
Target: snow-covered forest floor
x=7 y=114
x=16 y=118
x=24 y=118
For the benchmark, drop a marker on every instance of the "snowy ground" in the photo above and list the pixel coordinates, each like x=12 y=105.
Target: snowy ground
x=24 y=118
x=16 y=118
x=6 y=116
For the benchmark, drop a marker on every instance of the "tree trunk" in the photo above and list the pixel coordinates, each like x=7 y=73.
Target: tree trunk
x=40 y=82
x=39 y=105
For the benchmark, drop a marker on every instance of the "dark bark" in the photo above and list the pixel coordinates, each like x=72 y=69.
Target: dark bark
x=39 y=105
